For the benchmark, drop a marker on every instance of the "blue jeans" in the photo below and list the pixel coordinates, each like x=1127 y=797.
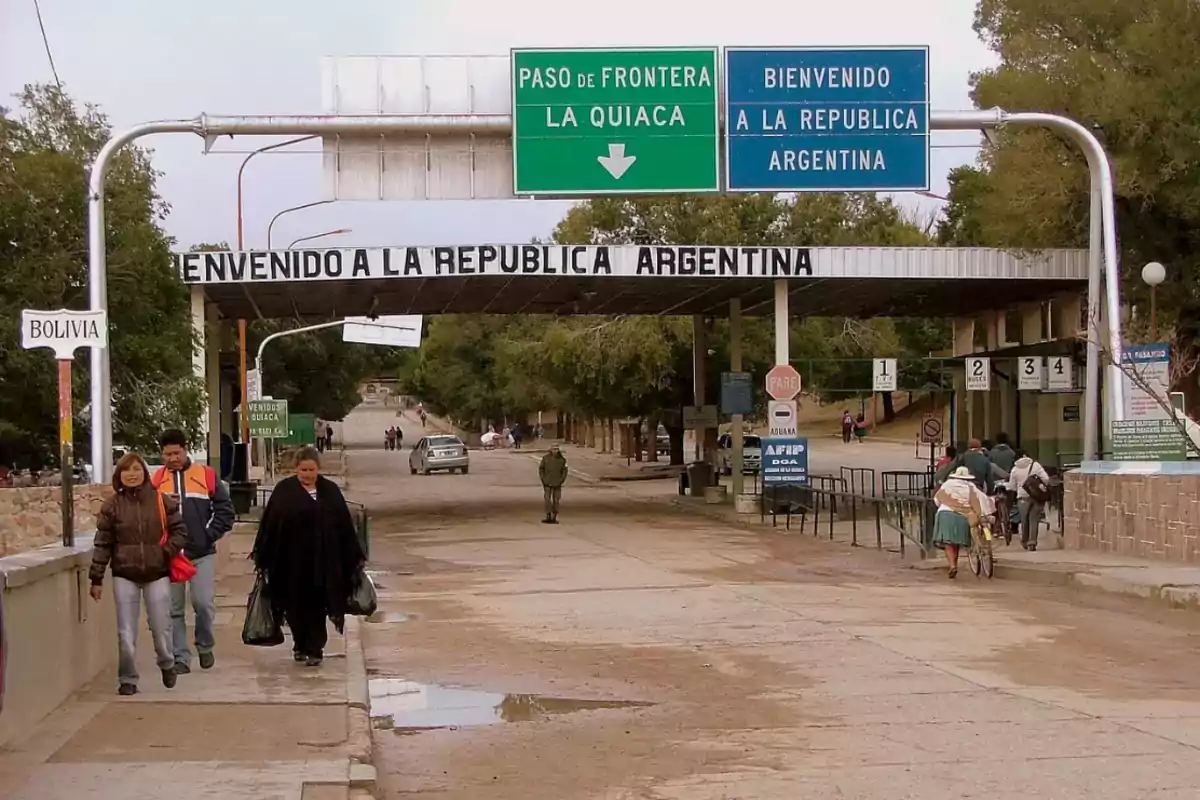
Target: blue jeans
x=204 y=602
x=128 y=596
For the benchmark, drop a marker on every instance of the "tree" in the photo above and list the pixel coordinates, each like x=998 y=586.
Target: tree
x=45 y=149
x=1126 y=69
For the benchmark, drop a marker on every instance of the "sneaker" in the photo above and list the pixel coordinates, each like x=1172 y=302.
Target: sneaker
x=127 y=689
x=312 y=661
x=299 y=657
x=182 y=668
x=207 y=660
x=169 y=677
x=546 y=520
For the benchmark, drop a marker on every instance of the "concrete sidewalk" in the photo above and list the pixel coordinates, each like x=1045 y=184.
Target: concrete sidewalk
x=255 y=726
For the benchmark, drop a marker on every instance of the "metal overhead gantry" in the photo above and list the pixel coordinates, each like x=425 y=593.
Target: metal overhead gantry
x=1102 y=262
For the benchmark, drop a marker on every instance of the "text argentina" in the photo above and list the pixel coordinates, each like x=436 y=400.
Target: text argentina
x=255 y=266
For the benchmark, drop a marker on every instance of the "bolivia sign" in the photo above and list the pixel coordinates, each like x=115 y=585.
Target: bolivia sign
x=621 y=121
x=63 y=331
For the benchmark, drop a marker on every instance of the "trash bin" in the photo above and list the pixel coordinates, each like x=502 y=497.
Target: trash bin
x=699 y=475
x=243 y=494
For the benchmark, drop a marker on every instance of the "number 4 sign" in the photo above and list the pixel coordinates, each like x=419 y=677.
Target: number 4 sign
x=1030 y=372
x=1061 y=374
x=979 y=374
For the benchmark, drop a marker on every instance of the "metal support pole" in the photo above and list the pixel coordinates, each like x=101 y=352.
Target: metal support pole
x=699 y=357
x=66 y=460
x=781 y=322
x=735 y=429
x=210 y=127
x=1093 y=335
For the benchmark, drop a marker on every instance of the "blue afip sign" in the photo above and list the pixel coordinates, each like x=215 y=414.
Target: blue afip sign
x=827 y=119
x=784 y=461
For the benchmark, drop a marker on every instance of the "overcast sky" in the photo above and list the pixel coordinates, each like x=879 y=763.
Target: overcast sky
x=142 y=60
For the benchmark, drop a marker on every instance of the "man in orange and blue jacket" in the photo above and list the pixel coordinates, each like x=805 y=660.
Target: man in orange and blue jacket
x=208 y=513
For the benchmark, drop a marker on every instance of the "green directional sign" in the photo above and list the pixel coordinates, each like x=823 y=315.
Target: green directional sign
x=269 y=419
x=634 y=121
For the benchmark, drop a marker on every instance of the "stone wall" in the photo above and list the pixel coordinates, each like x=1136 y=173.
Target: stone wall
x=1144 y=516
x=31 y=517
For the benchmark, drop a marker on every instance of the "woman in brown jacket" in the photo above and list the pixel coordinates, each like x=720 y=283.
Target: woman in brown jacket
x=129 y=536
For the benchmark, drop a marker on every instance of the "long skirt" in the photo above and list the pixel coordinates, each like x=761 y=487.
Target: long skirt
x=950 y=527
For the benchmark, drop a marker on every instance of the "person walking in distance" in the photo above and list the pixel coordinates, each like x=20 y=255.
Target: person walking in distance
x=553 y=472
x=138 y=532
x=847 y=426
x=328 y=437
x=208 y=513
x=309 y=551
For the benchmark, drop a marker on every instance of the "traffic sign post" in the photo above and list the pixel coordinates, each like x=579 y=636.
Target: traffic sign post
x=783 y=382
x=619 y=121
x=64 y=332
x=827 y=119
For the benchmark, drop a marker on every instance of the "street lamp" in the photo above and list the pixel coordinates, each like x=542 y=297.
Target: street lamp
x=274 y=219
x=241 y=323
x=1153 y=274
x=335 y=232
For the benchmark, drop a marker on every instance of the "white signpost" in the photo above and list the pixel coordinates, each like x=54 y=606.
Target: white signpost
x=884 y=374
x=1031 y=373
x=782 y=416
x=253 y=384
x=64 y=332
x=1060 y=374
x=979 y=374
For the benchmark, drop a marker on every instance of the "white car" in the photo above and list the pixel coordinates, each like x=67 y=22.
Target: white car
x=751 y=454
x=439 y=452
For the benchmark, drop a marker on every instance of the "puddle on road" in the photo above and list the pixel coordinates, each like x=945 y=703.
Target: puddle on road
x=406 y=707
x=391 y=616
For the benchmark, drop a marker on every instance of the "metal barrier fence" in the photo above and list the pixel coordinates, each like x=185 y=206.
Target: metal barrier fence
x=909 y=482
x=910 y=516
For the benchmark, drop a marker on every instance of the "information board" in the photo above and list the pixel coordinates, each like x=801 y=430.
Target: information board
x=785 y=461
x=1147 y=440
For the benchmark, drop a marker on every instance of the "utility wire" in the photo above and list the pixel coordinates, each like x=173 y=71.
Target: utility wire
x=46 y=41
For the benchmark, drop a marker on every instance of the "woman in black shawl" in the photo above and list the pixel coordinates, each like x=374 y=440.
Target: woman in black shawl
x=308 y=549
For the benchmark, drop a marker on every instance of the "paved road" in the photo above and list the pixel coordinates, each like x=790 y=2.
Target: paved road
x=765 y=666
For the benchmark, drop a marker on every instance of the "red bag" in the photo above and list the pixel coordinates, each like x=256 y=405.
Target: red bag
x=182 y=568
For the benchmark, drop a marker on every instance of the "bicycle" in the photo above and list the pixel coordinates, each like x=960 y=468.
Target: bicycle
x=979 y=555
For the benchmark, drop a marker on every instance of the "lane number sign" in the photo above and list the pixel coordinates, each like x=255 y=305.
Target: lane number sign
x=1060 y=374
x=979 y=374
x=1030 y=372
x=884 y=370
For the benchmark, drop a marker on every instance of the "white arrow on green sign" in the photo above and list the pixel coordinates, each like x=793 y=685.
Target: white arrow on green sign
x=636 y=121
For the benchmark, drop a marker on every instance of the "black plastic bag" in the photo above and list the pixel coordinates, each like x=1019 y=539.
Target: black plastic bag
x=363 y=600
x=261 y=628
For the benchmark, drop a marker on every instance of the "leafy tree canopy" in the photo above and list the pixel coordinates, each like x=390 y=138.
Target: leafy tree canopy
x=1128 y=70
x=46 y=145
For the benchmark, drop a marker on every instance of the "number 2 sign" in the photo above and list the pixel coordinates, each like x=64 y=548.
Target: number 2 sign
x=979 y=374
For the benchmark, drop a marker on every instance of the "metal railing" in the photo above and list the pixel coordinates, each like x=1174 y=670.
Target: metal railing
x=909 y=516
x=909 y=482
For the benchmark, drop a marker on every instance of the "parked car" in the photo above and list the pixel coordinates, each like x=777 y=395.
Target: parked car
x=751 y=454
x=433 y=453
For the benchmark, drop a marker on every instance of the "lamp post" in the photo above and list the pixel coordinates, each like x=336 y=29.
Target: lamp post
x=274 y=219
x=241 y=244
x=335 y=232
x=1153 y=274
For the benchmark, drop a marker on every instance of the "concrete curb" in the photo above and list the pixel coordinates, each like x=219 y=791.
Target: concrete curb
x=1108 y=580
x=358 y=710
